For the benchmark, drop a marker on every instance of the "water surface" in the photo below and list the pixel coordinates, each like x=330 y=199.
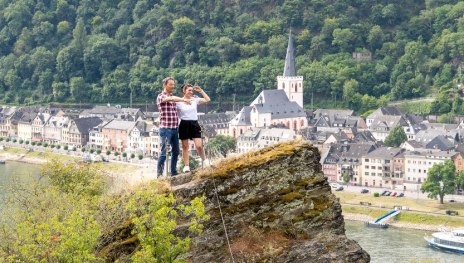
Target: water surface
x=397 y=244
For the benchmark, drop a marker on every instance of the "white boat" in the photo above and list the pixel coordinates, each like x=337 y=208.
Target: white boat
x=2 y=161
x=453 y=241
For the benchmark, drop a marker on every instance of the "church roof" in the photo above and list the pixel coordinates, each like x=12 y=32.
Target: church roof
x=243 y=117
x=289 y=69
x=276 y=102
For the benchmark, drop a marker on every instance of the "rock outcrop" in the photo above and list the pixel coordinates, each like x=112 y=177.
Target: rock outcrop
x=275 y=204
x=277 y=207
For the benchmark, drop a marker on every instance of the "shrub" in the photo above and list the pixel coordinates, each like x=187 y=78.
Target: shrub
x=45 y=144
x=124 y=155
x=14 y=140
x=58 y=146
x=65 y=147
x=376 y=194
x=116 y=153
x=27 y=142
x=21 y=141
x=132 y=156
x=33 y=143
x=51 y=146
x=39 y=143
x=92 y=150
x=83 y=149
x=7 y=139
x=1 y=139
x=74 y=148
x=99 y=151
x=140 y=156
x=108 y=152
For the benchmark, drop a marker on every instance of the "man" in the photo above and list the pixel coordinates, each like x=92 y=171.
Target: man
x=169 y=122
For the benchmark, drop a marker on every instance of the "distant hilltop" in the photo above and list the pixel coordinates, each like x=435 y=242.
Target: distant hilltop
x=277 y=207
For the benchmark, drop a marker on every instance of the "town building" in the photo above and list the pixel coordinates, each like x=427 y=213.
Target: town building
x=262 y=137
x=378 y=168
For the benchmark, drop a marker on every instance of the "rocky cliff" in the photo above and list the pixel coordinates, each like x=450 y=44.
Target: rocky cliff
x=276 y=206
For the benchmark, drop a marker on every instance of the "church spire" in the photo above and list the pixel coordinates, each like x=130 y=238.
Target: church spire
x=289 y=69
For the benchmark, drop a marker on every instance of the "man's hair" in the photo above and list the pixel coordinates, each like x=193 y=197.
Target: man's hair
x=165 y=80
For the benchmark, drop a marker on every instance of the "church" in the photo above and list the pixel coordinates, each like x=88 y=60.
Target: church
x=282 y=107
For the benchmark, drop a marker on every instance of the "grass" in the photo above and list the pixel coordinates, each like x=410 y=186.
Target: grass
x=116 y=167
x=12 y=150
x=49 y=155
x=350 y=202
x=253 y=159
x=389 y=202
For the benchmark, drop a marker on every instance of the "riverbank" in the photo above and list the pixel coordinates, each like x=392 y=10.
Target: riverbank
x=427 y=215
x=124 y=175
x=364 y=218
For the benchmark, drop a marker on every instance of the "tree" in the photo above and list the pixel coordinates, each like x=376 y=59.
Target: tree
x=343 y=38
x=155 y=218
x=346 y=177
x=460 y=180
x=220 y=146
x=396 y=137
x=76 y=178
x=440 y=180
x=77 y=88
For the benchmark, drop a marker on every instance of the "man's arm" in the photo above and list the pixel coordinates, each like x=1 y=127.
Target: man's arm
x=175 y=99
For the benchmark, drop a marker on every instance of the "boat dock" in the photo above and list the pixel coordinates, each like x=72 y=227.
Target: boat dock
x=379 y=222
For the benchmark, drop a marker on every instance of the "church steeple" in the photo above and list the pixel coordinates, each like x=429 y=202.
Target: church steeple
x=290 y=82
x=289 y=69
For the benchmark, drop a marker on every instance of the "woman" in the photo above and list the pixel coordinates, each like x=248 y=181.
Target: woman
x=189 y=129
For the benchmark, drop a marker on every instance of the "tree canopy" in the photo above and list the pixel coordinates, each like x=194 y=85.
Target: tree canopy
x=396 y=137
x=440 y=180
x=70 y=216
x=101 y=51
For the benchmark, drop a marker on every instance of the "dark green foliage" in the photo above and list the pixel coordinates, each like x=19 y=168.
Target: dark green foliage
x=441 y=180
x=396 y=137
x=220 y=146
x=103 y=51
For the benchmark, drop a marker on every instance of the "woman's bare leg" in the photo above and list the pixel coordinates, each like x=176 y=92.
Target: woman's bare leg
x=185 y=152
x=199 y=146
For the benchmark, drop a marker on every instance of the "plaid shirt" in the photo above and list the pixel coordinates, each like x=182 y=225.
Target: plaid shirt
x=168 y=112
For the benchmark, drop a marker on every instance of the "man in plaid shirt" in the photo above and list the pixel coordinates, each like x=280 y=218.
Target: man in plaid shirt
x=169 y=122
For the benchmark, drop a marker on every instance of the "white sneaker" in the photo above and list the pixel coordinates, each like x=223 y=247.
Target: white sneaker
x=206 y=163
x=186 y=169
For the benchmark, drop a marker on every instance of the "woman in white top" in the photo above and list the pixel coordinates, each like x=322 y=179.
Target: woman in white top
x=189 y=129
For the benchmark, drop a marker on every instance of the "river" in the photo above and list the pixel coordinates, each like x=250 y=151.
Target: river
x=397 y=245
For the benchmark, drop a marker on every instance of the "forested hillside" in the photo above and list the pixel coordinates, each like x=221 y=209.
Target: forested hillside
x=100 y=51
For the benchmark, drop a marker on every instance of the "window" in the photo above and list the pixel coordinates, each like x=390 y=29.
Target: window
x=366 y=160
x=366 y=173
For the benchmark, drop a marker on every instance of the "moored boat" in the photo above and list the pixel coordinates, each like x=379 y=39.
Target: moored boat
x=452 y=241
x=2 y=161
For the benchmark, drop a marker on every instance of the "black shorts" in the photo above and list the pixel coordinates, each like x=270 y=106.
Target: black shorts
x=189 y=130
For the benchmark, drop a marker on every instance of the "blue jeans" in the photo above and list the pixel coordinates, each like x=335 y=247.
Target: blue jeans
x=168 y=136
